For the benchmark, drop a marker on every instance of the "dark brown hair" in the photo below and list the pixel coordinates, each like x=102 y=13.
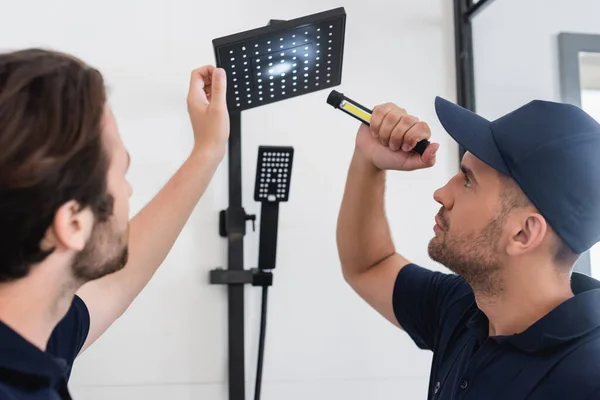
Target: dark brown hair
x=51 y=150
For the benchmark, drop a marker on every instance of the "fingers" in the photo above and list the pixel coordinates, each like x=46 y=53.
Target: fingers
x=426 y=160
x=396 y=129
x=398 y=136
x=390 y=121
x=201 y=77
x=378 y=116
x=417 y=132
x=209 y=83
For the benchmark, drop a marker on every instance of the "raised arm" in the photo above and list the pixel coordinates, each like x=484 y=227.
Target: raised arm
x=154 y=230
x=369 y=260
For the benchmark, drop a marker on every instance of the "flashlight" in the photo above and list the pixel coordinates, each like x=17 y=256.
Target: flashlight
x=362 y=113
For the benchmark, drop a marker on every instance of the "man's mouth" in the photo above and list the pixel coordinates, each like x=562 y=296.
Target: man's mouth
x=439 y=222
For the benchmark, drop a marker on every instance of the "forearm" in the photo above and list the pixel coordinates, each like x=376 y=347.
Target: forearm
x=363 y=234
x=154 y=230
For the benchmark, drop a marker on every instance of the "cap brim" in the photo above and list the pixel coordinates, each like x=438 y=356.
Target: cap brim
x=471 y=131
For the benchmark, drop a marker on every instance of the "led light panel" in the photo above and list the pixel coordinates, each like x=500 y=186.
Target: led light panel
x=273 y=173
x=282 y=60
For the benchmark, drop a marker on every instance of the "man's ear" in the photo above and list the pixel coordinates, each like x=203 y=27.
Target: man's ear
x=528 y=235
x=71 y=228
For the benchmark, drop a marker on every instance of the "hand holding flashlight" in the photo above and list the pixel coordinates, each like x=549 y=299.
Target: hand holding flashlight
x=390 y=140
x=389 y=137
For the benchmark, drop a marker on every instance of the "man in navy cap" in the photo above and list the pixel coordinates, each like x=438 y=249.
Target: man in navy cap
x=513 y=321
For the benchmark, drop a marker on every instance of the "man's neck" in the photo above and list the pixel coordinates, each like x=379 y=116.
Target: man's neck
x=34 y=305
x=523 y=302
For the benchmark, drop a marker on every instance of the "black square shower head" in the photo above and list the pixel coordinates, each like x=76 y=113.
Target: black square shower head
x=283 y=59
x=273 y=173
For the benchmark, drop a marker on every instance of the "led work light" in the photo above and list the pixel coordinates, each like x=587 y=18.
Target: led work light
x=362 y=113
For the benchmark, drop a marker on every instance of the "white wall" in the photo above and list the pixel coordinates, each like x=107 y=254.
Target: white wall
x=516 y=50
x=322 y=340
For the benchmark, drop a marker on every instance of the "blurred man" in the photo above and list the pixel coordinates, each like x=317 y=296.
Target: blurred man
x=70 y=262
x=512 y=321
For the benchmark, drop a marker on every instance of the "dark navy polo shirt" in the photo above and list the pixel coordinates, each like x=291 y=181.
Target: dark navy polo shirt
x=558 y=357
x=28 y=373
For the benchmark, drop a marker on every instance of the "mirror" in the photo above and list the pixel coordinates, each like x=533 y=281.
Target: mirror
x=579 y=61
x=589 y=81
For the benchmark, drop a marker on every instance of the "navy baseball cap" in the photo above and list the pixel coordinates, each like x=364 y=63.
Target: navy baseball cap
x=552 y=151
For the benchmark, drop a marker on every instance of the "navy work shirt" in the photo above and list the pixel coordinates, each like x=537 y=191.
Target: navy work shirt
x=558 y=357
x=28 y=373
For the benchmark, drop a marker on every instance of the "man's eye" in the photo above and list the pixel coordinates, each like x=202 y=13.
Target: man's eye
x=467 y=181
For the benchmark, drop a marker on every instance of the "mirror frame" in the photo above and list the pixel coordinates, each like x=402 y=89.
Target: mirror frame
x=569 y=46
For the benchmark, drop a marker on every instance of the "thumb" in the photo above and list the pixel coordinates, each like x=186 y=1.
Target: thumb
x=428 y=159
x=219 y=88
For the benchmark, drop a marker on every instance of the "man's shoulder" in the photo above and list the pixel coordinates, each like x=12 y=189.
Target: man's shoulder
x=584 y=359
x=5 y=392
x=577 y=374
x=449 y=284
x=453 y=293
x=8 y=392
x=70 y=333
x=432 y=306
